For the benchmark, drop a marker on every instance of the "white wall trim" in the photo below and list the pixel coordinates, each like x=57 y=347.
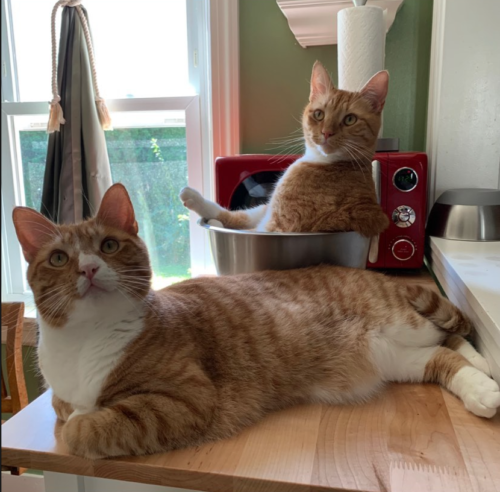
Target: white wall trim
x=314 y=22
x=464 y=97
x=224 y=33
x=435 y=76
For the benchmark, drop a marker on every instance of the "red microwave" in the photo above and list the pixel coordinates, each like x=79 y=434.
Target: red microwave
x=245 y=181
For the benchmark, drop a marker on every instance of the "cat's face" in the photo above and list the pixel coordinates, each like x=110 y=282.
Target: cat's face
x=341 y=124
x=86 y=262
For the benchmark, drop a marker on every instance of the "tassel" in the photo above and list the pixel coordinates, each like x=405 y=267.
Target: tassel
x=103 y=113
x=56 y=117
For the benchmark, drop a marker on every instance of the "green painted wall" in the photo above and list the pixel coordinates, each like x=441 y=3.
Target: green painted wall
x=275 y=72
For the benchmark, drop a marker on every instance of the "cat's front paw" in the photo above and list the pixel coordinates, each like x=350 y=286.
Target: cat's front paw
x=80 y=437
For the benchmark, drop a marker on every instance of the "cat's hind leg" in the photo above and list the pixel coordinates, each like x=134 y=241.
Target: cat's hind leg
x=480 y=394
x=463 y=347
x=238 y=219
x=193 y=200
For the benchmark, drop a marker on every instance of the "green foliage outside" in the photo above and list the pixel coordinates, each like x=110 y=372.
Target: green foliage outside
x=151 y=163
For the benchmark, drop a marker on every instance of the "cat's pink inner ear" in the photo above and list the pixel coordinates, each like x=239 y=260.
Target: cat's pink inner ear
x=117 y=211
x=321 y=83
x=33 y=231
x=375 y=90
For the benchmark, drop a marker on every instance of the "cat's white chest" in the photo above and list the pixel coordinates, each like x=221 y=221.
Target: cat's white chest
x=77 y=359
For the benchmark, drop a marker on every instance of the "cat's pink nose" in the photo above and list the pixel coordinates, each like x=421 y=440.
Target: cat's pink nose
x=89 y=270
x=327 y=135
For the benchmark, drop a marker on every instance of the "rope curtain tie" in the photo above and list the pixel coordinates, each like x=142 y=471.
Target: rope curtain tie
x=56 y=117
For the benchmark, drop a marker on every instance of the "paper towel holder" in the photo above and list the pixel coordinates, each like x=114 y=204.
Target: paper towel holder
x=314 y=23
x=359 y=3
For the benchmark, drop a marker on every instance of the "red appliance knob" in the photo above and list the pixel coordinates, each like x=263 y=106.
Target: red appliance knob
x=403 y=249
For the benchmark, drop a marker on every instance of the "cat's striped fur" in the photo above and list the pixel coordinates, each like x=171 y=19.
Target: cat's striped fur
x=330 y=188
x=209 y=356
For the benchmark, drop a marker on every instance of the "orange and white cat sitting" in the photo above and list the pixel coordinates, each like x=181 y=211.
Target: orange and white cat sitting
x=134 y=371
x=330 y=188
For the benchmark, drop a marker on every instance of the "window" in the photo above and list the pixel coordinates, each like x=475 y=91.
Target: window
x=147 y=153
x=153 y=71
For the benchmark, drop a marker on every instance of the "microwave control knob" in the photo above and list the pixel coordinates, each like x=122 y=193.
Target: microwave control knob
x=403 y=249
x=403 y=216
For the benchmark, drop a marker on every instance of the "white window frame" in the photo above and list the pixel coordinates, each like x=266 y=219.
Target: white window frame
x=212 y=35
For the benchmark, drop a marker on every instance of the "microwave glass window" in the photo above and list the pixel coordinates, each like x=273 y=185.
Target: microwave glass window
x=405 y=179
x=255 y=190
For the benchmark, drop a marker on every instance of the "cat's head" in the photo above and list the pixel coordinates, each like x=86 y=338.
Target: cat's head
x=340 y=124
x=86 y=262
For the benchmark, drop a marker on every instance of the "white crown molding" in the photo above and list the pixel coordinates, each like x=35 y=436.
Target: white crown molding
x=314 y=22
x=224 y=32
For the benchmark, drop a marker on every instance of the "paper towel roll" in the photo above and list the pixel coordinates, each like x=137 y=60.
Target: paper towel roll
x=361 y=45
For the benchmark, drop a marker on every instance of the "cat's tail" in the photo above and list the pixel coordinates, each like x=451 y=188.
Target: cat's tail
x=438 y=310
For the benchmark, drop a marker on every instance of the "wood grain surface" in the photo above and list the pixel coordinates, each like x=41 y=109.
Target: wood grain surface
x=306 y=448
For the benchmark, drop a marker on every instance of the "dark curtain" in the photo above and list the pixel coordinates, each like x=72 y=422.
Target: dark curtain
x=77 y=172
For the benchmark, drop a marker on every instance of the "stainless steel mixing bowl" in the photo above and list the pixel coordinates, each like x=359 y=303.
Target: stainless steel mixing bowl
x=247 y=251
x=466 y=214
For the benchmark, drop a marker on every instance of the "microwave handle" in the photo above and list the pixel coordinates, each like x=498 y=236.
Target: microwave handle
x=374 y=242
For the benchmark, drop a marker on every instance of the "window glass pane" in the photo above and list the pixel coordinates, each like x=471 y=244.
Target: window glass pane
x=140 y=47
x=147 y=153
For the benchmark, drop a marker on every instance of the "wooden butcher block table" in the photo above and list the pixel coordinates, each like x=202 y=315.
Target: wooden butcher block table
x=371 y=447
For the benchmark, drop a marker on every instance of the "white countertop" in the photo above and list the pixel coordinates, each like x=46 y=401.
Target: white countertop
x=469 y=273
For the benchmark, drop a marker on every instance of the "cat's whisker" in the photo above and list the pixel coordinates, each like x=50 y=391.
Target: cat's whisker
x=49 y=302
x=286 y=147
x=277 y=159
x=52 y=291
x=91 y=208
x=361 y=159
x=133 y=293
x=360 y=150
x=52 y=314
x=354 y=160
x=287 y=141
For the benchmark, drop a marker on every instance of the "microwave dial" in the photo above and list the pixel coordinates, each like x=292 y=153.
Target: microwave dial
x=403 y=216
x=403 y=249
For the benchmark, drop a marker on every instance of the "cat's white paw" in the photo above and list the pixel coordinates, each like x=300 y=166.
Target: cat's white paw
x=193 y=200
x=188 y=194
x=480 y=394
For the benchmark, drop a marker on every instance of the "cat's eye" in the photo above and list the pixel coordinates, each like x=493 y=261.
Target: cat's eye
x=58 y=259
x=350 y=119
x=109 y=246
x=318 y=115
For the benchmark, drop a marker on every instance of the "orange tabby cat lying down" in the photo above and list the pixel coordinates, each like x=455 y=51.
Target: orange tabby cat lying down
x=331 y=187
x=135 y=371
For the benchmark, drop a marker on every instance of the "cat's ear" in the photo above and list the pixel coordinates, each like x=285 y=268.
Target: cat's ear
x=321 y=82
x=117 y=211
x=33 y=231
x=375 y=90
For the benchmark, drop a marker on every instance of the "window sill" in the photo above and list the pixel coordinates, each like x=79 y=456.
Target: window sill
x=468 y=273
